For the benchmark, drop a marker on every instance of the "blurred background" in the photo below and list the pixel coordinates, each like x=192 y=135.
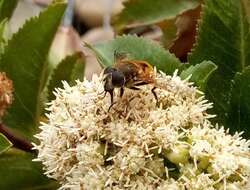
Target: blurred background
x=91 y=21
x=85 y=21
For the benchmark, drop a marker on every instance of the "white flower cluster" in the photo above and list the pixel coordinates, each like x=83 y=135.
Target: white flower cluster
x=138 y=144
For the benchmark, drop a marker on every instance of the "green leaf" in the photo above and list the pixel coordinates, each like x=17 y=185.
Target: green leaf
x=200 y=73
x=3 y=25
x=78 y=70
x=5 y=144
x=145 y=12
x=137 y=48
x=18 y=172
x=2 y=28
x=239 y=113
x=24 y=61
x=224 y=38
x=169 y=31
x=69 y=69
x=7 y=7
x=186 y=26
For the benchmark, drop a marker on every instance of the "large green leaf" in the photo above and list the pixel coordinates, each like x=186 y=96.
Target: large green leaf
x=69 y=69
x=239 y=114
x=224 y=38
x=137 y=12
x=24 y=63
x=5 y=144
x=18 y=172
x=137 y=48
x=6 y=8
x=200 y=73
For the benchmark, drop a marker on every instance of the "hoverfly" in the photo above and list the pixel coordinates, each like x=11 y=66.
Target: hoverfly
x=127 y=73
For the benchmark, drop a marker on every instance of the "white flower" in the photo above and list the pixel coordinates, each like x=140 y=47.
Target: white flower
x=200 y=148
x=130 y=160
x=170 y=185
x=200 y=182
x=89 y=154
x=225 y=164
x=138 y=145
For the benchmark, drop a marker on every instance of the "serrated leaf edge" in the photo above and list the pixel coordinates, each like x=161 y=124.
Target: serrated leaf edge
x=198 y=30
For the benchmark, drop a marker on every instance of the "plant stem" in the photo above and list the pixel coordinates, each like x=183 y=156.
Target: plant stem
x=17 y=141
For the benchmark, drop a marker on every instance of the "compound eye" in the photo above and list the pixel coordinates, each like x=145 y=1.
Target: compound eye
x=118 y=79
x=109 y=70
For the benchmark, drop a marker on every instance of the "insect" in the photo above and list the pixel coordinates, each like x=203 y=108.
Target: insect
x=127 y=74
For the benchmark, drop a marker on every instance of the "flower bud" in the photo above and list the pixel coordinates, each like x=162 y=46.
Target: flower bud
x=203 y=162
x=178 y=155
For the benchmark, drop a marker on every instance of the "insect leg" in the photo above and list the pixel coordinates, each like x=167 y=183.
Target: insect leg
x=111 y=92
x=134 y=88
x=121 y=91
x=141 y=83
x=111 y=106
x=155 y=95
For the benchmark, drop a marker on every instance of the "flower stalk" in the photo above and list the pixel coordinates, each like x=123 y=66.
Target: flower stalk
x=17 y=141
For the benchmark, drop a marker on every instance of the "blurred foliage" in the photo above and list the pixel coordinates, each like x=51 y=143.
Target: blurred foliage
x=145 y=12
x=7 y=7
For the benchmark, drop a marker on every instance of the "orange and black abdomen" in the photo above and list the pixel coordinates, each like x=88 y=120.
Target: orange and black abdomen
x=136 y=72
